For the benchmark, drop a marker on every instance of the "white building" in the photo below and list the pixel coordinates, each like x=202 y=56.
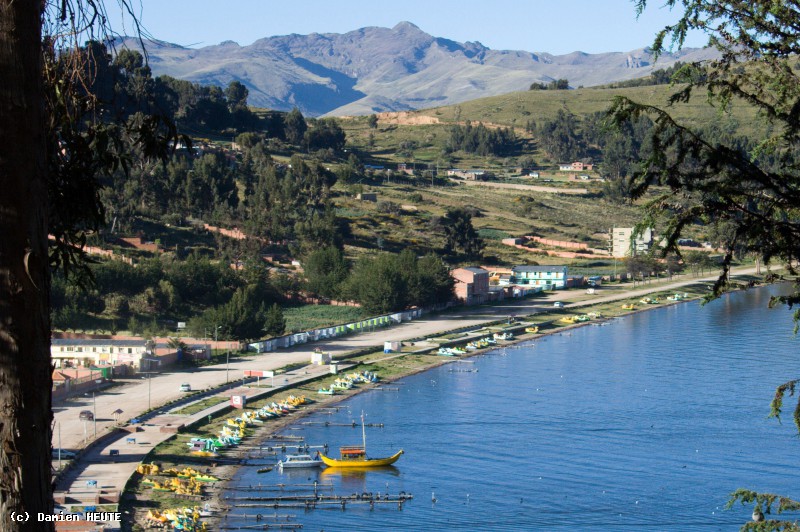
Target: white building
x=97 y=352
x=622 y=244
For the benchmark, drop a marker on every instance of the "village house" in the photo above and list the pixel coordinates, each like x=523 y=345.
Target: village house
x=472 y=285
x=470 y=175
x=78 y=380
x=546 y=277
x=367 y=196
x=374 y=168
x=405 y=168
x=577 y=166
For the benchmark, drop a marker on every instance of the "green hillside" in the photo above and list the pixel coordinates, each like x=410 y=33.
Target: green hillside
x=290 y=186
x=426 y=131
x=420 y=139
x=515 y=108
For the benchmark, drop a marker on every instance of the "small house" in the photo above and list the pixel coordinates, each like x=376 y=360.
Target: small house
x=546 y=277
x=577 y=166
x=472 y=285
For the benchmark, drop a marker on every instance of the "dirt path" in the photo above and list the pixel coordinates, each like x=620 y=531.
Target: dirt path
x=530 y=188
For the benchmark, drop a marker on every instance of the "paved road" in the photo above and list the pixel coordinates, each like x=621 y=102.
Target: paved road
x=135 y=396
x=104 y=468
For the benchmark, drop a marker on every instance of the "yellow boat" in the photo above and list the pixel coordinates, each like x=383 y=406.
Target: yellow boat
x=531 y=329
x=356 y=456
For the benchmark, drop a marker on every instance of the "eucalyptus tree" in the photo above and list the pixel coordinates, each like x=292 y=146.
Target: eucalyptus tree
x=54 y=148
x=754 y=191
x=460 y=235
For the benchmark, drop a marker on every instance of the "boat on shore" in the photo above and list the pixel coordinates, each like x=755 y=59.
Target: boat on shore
x=355 y=456
x=678 y=297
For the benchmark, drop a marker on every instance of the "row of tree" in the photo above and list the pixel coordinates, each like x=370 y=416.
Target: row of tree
x=381 y=283
x=554 y=85
x=482 y=140
x=664 y=76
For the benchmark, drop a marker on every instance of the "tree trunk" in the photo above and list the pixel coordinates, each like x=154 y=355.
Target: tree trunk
x=25 y=371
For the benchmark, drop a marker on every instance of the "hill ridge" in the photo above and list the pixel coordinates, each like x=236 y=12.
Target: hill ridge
x=377 y=69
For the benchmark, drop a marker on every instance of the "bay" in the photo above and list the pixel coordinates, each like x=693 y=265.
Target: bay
x=646 y=422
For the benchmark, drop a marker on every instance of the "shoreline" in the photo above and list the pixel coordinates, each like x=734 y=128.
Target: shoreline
x=282 y=425
x=216 y=496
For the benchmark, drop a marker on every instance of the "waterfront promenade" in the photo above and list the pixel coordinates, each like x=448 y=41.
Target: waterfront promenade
x=110 y=473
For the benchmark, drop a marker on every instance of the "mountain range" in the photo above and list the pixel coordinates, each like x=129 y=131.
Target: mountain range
x=377 y=69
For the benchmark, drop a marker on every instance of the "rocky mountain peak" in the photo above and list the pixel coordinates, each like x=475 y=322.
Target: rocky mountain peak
x=378 y=69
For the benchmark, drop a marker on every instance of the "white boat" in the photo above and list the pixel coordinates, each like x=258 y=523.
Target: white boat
x=300 y=460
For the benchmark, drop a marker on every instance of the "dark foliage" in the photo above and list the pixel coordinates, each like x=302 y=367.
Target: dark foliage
x=482 y=140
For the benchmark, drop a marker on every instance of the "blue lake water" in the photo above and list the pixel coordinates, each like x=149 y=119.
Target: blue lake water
x=648 y=422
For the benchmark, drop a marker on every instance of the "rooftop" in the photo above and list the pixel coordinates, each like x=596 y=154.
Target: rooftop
x=97 y=342
x=539 y=268
x=474 y=269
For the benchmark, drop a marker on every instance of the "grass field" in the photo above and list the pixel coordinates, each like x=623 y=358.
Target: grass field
x=310 y=317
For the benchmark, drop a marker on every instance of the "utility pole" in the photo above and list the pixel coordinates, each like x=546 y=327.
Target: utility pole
x=227 y=353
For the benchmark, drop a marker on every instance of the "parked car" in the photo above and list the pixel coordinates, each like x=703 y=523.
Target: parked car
x=65 y=454
x=558 y=304
x=185 y=387
x=86 y=415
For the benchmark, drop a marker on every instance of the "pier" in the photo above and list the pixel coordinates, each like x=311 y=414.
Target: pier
x=313 y=501
x=353 y=424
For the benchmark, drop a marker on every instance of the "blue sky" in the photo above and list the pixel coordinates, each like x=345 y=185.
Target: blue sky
x=555 y=26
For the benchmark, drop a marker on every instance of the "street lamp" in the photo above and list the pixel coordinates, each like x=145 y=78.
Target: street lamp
x=94 y=413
